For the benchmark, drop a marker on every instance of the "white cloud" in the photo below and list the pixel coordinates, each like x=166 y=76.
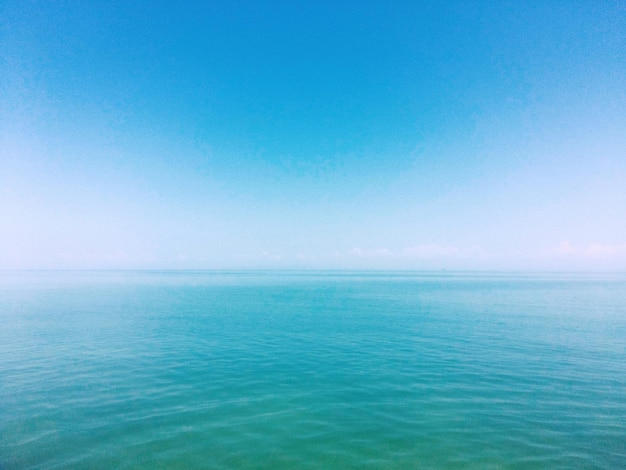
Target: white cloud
x=564 y=248
x=599 y=249
x=430 y=251
x=419 y=251
x=269 y=255
x=592 y=250
x=371 y=253
x=439 y=251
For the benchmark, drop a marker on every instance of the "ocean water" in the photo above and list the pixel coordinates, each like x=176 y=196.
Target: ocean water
x=382 y=370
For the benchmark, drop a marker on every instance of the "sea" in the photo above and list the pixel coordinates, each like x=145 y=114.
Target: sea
x=312 y=370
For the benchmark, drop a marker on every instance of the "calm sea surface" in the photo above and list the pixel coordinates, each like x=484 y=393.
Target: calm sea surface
x=107 y=370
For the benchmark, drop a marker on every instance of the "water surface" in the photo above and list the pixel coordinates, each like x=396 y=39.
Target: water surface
x=251 y=369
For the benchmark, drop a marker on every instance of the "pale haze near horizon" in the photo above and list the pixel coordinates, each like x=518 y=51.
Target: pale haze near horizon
x=464 y=135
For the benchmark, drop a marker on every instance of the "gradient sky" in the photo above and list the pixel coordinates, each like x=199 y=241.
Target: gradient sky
x=385 y=135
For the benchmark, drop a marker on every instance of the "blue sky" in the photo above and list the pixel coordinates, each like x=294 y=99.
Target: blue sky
x=374 y=135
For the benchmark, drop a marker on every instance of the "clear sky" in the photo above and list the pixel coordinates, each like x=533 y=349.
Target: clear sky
x=375 y=135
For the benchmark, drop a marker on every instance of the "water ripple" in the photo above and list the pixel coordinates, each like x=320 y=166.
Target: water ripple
x=214 y=370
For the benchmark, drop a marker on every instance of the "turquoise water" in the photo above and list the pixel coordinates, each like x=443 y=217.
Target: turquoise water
x=103 y=370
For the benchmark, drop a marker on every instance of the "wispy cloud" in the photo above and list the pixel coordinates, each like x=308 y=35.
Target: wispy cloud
x=439 y=251
x=271 y=256
x=430 y=251
x=417 y=252
x=592 y=250
x=370 y=253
